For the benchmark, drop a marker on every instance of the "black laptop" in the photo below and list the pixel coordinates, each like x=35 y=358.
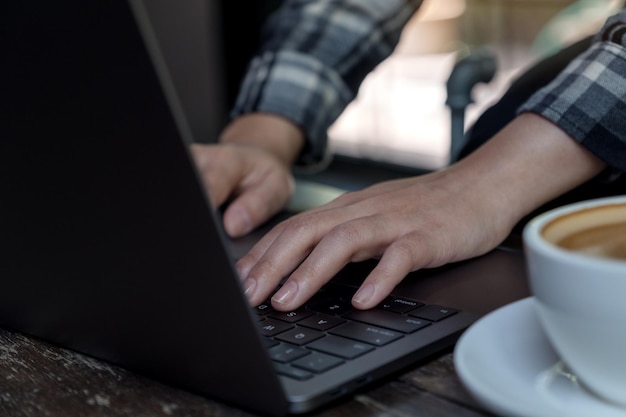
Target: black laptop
x=110 y=247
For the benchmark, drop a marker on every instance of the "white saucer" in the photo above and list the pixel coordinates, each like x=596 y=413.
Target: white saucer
x=508 y=365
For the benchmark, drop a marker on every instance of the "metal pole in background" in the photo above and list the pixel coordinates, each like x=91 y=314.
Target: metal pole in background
x=478 y=66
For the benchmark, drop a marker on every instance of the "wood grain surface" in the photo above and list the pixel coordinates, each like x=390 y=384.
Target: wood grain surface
x=38 y=379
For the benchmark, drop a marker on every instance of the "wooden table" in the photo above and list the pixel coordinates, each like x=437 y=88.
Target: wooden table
x=38 y=379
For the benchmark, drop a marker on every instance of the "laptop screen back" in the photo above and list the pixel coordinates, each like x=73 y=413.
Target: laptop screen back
x=108 y=243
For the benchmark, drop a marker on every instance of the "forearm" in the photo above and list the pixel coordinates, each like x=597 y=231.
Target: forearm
x=526 y=164
x=272 y=133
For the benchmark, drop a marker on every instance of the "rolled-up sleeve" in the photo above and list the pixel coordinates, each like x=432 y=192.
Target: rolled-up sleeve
x=315 y=54
x=588 y=99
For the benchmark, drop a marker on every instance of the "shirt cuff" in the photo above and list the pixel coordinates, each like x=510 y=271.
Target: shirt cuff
x=299 y=88
x=587 y=101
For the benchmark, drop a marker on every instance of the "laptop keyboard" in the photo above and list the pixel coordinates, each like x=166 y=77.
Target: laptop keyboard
x=327 y=331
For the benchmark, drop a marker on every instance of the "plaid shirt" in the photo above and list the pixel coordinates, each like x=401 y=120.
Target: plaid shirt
x=315 y=54
x=588 y=99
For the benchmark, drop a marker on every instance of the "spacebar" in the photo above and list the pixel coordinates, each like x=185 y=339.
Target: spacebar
x=366 y=333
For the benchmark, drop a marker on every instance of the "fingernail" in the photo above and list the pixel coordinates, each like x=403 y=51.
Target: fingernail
x=364 y=294
x=248 y=287
x=286 y=293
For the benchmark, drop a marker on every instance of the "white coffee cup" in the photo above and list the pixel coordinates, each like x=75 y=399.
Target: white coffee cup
x=581 y=297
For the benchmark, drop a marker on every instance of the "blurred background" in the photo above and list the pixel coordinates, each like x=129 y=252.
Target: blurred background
x=400 y=115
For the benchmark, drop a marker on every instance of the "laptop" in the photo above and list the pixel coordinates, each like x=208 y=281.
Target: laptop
x=110 y=246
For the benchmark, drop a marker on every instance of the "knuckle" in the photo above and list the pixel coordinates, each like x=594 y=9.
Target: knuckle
x=346 y=233
x=424 y=250
x=405 y=247
x=264 y=266
x=299 y=226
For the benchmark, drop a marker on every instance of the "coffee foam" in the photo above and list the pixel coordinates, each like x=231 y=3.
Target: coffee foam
x=607 y=241
x=597 y=231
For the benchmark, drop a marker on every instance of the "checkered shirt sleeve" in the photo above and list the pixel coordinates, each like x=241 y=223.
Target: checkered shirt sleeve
x=588 y=99
x=315 y=55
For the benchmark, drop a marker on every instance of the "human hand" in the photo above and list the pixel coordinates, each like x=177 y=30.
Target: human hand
x=253 y=182
x=407 y=224
x=427 y=221
x=250 y=169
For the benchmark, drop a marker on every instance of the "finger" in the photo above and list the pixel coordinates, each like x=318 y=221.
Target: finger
x=250 y=259
x=219 y=178
x=404 y=255
x=310 y=225
x=262 y=273
x=281 y=250
x=355 y=240
x=257 y=202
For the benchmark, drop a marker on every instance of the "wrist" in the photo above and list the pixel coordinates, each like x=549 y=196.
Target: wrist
x=272 y=133
x=528 y=163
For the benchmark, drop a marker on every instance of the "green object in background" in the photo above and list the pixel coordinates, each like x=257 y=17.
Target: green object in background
x=310 y=194
x=581 y=18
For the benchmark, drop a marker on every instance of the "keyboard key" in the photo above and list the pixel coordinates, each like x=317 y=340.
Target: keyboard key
x=300 y=336
x=433 y=312
x=339 y=346
x=366 y=333
x=291 y=316
x=270 y=327
x=291 y=372
x=387 y=319
x=399 y=305
x=285 y=353
x=331 y=307
x=317 y=362
x=321 y=322
x=268 y=342
x=264 y=309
